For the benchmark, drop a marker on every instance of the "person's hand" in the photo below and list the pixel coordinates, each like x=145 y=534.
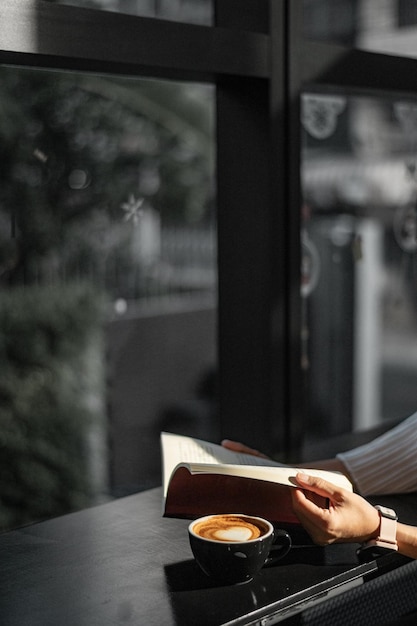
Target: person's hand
x=236 y=446
x=348 y=518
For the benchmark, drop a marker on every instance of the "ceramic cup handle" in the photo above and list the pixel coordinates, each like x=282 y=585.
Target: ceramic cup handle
x=280 y=548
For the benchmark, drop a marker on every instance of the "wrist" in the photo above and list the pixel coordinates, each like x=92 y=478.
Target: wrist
x=385 y=535
x=374 y=524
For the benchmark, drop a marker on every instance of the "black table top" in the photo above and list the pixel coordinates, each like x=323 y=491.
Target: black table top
x=123 y=563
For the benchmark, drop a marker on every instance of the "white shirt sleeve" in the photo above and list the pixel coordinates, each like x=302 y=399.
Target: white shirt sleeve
x=388 y=464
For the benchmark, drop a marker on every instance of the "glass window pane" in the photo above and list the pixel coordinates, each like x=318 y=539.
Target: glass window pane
x=189 y=11
x=388 y=27
x=108 y=281
x=330 y=20
x=359 y=262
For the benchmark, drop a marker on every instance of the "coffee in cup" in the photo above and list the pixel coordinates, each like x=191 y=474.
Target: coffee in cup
x=230 y=528
x=232 y=548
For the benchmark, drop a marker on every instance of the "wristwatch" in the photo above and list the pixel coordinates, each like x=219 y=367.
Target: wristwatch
x=387 y=538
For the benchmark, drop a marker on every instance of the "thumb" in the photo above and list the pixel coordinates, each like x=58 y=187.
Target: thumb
x=317 y=485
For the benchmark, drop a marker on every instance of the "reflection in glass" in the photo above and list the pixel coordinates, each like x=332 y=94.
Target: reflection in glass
x=108 y=281
x=320 y=113
x=388 y=27
x=360 y=199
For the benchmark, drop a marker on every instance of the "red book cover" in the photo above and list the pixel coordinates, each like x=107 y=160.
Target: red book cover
x=193 y=495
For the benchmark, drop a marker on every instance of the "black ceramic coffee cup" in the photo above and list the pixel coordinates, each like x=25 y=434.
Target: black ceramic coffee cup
x=232 y=548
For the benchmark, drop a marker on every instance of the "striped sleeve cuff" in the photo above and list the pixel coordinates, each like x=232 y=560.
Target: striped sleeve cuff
x=388 y=464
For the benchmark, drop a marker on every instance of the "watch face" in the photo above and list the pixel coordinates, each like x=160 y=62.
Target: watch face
x=386 y=512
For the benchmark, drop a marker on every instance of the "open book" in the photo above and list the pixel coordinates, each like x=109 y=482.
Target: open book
x=200 y=478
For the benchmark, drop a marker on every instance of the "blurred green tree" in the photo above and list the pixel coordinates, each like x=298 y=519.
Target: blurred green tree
x=74 y=148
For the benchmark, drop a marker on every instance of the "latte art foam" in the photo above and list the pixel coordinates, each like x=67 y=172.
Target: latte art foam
x=229 y=528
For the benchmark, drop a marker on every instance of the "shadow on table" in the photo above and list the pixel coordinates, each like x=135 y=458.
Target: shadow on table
x=187 y=576
x=196 y=599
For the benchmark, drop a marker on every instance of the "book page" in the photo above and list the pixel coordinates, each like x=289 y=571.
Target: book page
x=205 y=457
x=178 y=449
x=281 y=475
